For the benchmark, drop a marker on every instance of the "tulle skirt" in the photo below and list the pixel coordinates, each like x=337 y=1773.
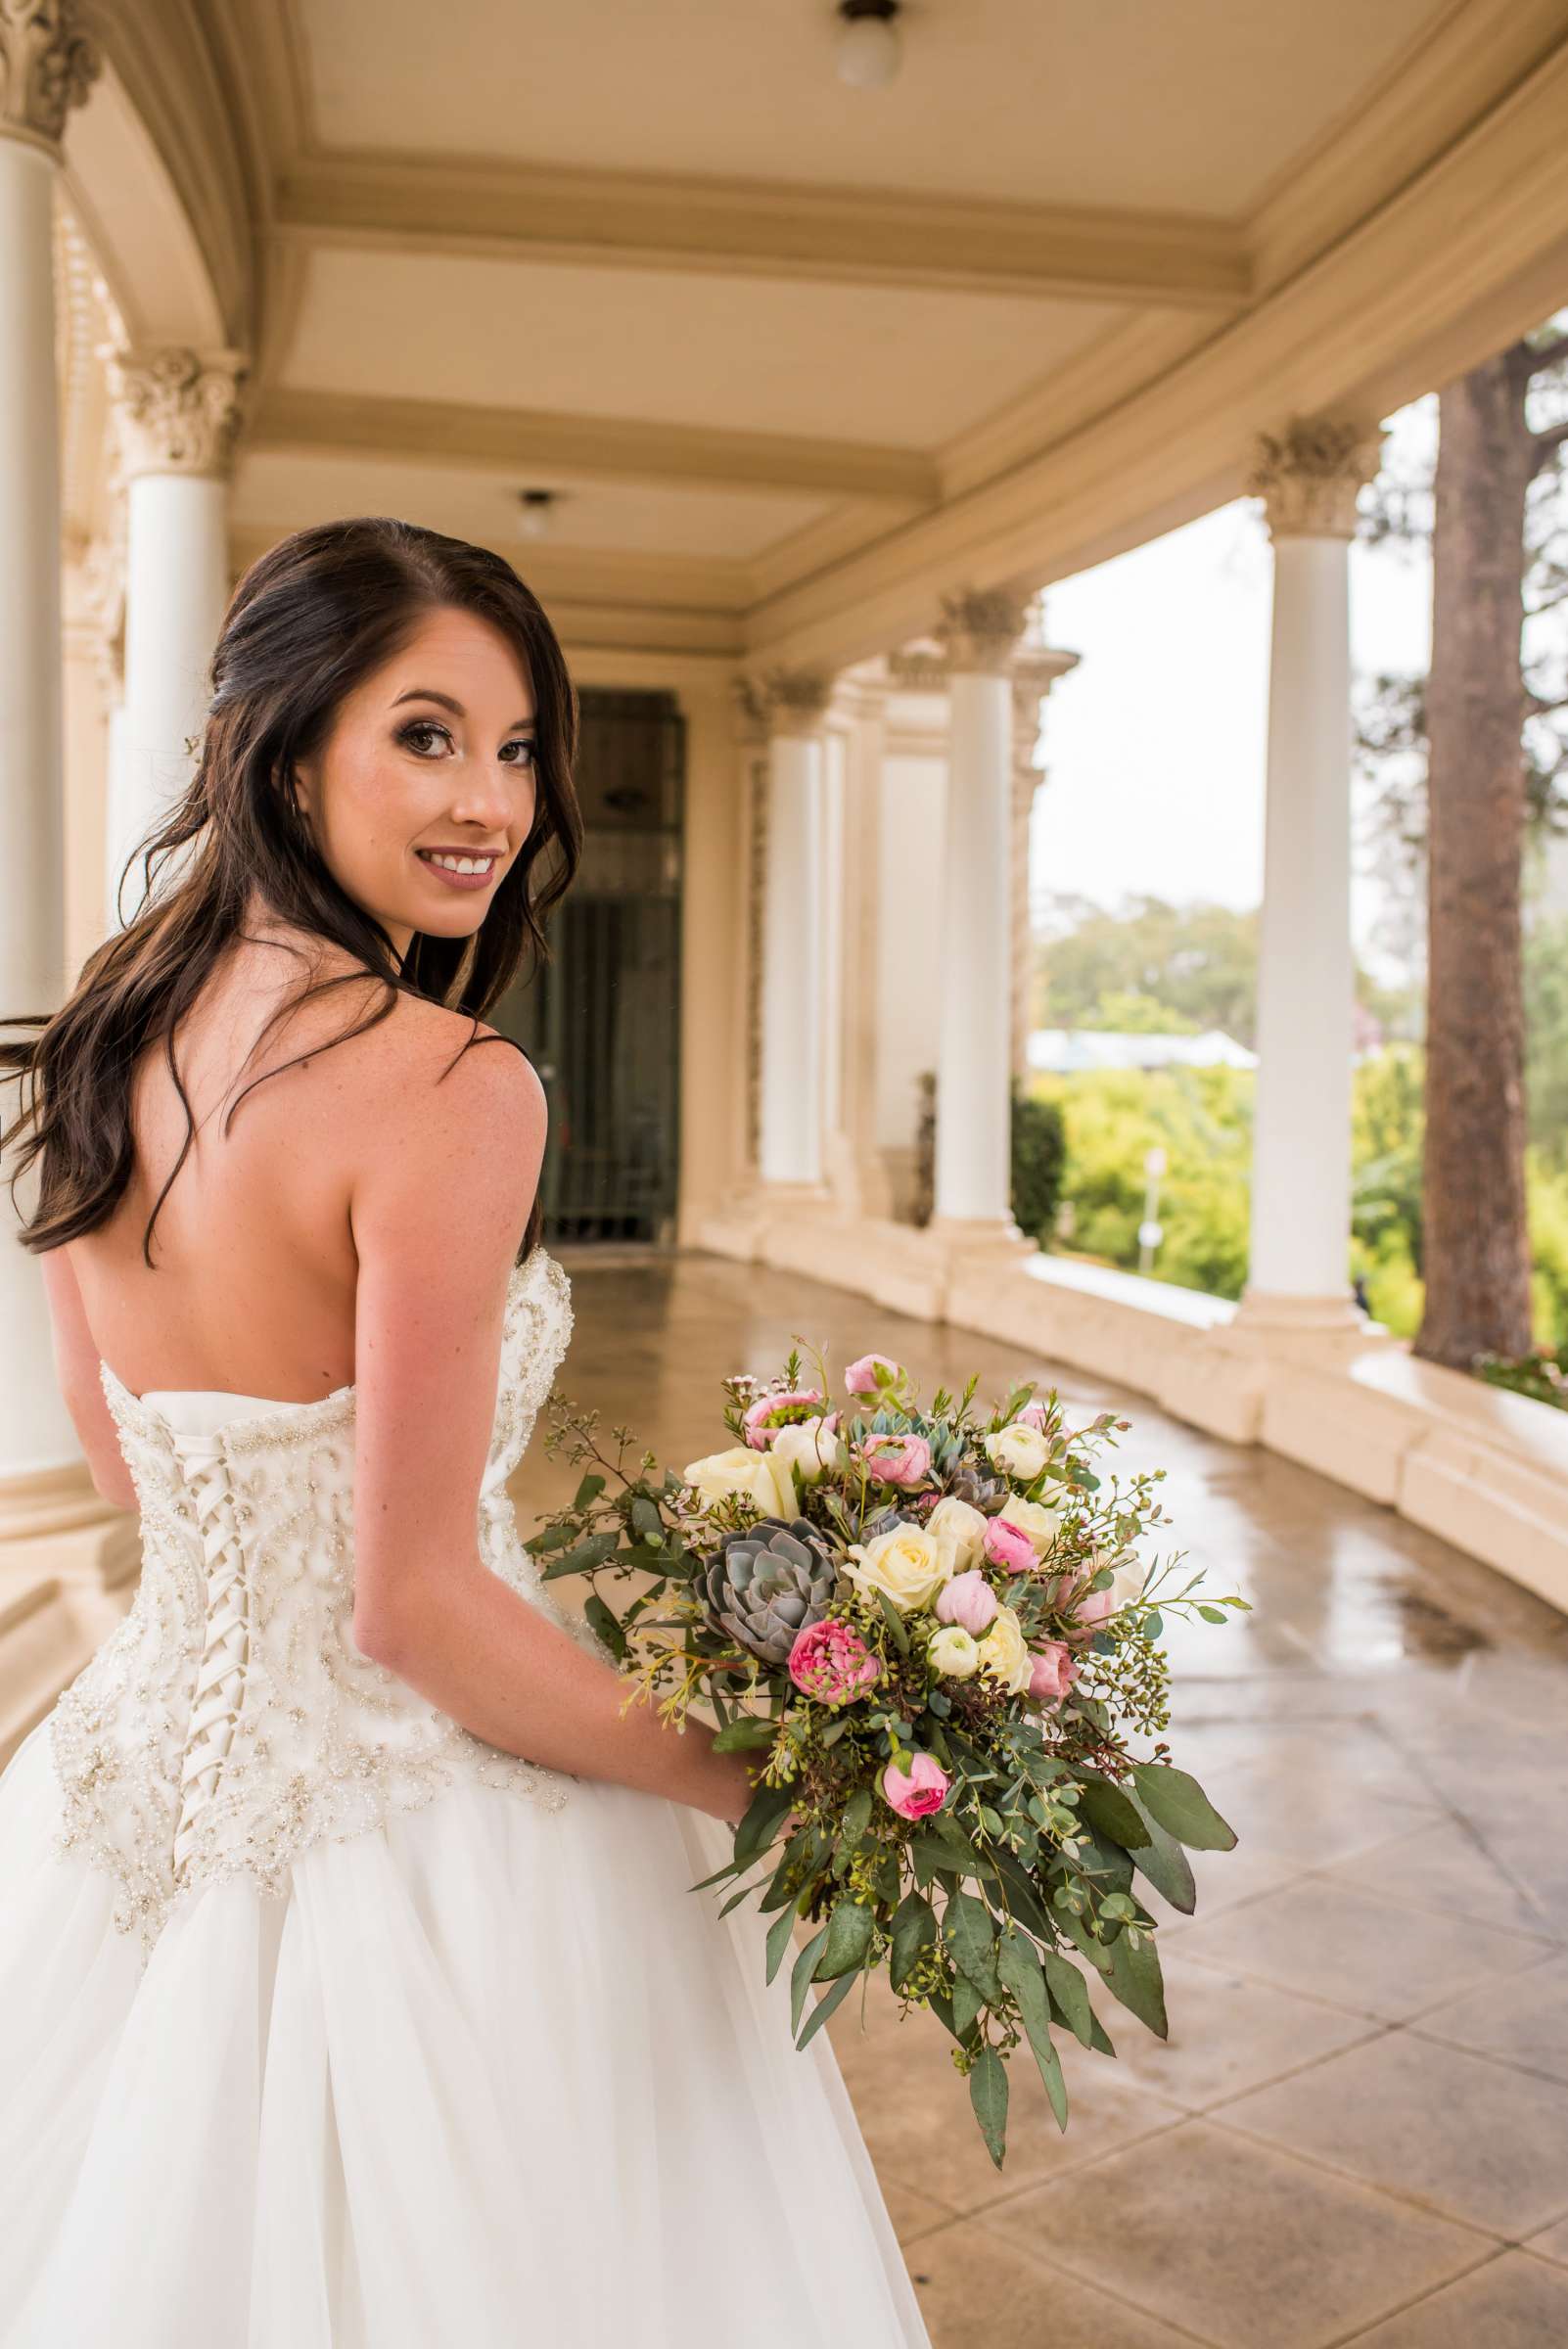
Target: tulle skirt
x=486 y=2077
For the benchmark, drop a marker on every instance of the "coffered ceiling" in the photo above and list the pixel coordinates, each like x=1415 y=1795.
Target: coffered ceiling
x=790 y=354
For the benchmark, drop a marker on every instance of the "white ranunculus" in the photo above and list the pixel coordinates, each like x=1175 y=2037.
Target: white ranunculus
x=809 y=1448
x=963 y=1525
x=1019 y=1450
x=908 y=1562
x=1039 y=1519
x=759 y=1477
x=955 y=1652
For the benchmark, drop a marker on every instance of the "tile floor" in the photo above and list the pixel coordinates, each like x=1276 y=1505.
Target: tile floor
x=1357 y=2129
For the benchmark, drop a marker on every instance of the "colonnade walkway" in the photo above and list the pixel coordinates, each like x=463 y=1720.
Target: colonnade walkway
x=1358 y=2127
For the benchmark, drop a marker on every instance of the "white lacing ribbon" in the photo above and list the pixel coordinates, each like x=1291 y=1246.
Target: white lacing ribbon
x=221 y=1678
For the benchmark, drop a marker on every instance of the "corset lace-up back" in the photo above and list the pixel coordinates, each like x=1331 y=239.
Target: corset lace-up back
x=231 y=1720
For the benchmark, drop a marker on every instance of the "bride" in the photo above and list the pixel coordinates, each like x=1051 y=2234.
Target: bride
x=354 y=1994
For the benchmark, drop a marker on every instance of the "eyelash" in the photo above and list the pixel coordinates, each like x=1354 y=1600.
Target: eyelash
x=430 y=725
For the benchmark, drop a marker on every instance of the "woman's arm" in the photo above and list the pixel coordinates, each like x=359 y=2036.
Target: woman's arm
x=438 y=1210
x=76 y=1373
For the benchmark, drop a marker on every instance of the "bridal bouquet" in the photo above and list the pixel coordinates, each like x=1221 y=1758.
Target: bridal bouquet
x=932 y=1627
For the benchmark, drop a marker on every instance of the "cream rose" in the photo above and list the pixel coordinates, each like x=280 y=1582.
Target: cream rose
x=759 y=1477
x=955 y=1652
x=1019 y=1450
x=909 y=1561
x=1004 y=1652
x=959 y=1522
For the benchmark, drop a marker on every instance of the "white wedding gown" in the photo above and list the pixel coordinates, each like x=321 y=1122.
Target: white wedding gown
x=326 y=2025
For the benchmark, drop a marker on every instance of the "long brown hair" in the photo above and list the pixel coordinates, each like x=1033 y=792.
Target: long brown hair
x=310 y=618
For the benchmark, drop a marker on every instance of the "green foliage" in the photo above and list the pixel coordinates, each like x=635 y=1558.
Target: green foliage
x=1199 y=961
x=1039 y=1158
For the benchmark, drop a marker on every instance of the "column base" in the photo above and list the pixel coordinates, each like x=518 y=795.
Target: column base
x=1325 y=1328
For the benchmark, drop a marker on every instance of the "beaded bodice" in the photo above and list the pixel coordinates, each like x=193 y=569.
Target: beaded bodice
x=231 y=1721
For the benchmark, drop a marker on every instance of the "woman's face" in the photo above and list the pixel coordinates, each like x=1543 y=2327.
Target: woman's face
x=429 y=761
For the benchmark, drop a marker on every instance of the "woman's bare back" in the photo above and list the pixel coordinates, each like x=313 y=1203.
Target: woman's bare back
x=252 y=1286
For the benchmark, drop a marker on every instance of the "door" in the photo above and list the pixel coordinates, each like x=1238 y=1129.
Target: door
x=601 y=1021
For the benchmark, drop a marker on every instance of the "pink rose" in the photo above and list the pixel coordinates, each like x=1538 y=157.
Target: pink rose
x=768 y=1410
x=919 y=1791
x=969 y=1601
x=860 y=1378
x=1033 y=1415
x=831 y=1662
x=1055 y=1669
x=1007 y=1545
x=1093 y=1609
x=897 y=1459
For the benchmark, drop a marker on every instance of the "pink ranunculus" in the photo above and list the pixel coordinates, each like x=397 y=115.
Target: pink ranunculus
x=1055 y=1669
x=894 y=1459
x=1007 y=1545
x=831 y=1662
x=861 y=1376
x=968 y=1600
x=919 y=1790
x=1033 y=1415
x=769 y=1410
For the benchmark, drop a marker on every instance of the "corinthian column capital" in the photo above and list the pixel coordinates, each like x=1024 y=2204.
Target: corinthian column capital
x=177 y=410
x=1310 y=476
x=785 y=701
x=47 y=65
x=981 y=630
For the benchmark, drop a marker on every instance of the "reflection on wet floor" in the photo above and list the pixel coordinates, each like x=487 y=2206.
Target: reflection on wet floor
x=1357 y=2129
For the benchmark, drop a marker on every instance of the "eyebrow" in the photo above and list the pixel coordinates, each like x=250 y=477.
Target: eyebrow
x=426 y=692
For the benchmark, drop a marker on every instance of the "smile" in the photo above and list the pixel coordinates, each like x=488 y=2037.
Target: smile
x=458 y=869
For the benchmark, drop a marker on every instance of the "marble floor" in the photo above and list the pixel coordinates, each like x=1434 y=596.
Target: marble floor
x=1357 y=2129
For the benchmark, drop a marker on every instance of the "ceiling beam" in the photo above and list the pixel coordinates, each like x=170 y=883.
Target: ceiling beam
x=521 y=440
x=750 y=228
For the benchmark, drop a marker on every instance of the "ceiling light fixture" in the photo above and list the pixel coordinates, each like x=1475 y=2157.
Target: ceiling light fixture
x=537 y=507
x=869 y=47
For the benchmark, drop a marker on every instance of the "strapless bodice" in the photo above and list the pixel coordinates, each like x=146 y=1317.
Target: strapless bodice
x=231 y=1720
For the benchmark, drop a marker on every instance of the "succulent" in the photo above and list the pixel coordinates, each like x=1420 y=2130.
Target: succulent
x=765 y=1585
x=983 y=1491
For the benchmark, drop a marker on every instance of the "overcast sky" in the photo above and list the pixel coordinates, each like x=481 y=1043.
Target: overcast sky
x=1155 y=744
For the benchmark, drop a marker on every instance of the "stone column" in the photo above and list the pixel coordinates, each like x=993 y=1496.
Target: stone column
x=789 y=1153
x=973 y=1188
x=1034 y=672
x=177 y=413
x=47 y=65
x=1299 y=1275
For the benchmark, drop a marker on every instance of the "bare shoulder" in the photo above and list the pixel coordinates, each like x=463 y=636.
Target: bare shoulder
x=424 y=1062
x=448 y=1129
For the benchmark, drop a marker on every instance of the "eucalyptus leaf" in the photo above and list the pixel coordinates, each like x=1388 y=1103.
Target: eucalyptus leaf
x=1070 y=1992
x=778 y=1939
x=1107 y=1807
x=850 y=1930
x=769 y=1807
x=1164 y=1863
x=856 y=1818
x=801 y=1977
x=746 y=1731
x=600 y=1619
x=966 y=2005
x=914 y=1929
x=988 y=2094
x=1134 y=1978
x=825 y=2005
x=971 y=1936
x=1181 y=1807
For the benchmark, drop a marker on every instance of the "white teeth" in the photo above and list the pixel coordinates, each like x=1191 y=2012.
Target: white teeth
x=459 y=864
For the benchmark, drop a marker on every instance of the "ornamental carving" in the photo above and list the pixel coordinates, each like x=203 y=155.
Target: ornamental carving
x=178 y=410
x=981 y=630
x=47 y=65
x=785 y=701
x=1311 y=476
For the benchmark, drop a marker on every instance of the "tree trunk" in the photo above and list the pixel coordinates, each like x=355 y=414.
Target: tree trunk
x=1477 y=1250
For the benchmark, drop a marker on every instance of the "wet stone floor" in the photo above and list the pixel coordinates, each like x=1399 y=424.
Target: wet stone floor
x=1357 y=2129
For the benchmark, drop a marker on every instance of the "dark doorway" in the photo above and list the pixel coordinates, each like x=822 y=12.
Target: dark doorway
x=601 y=1023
